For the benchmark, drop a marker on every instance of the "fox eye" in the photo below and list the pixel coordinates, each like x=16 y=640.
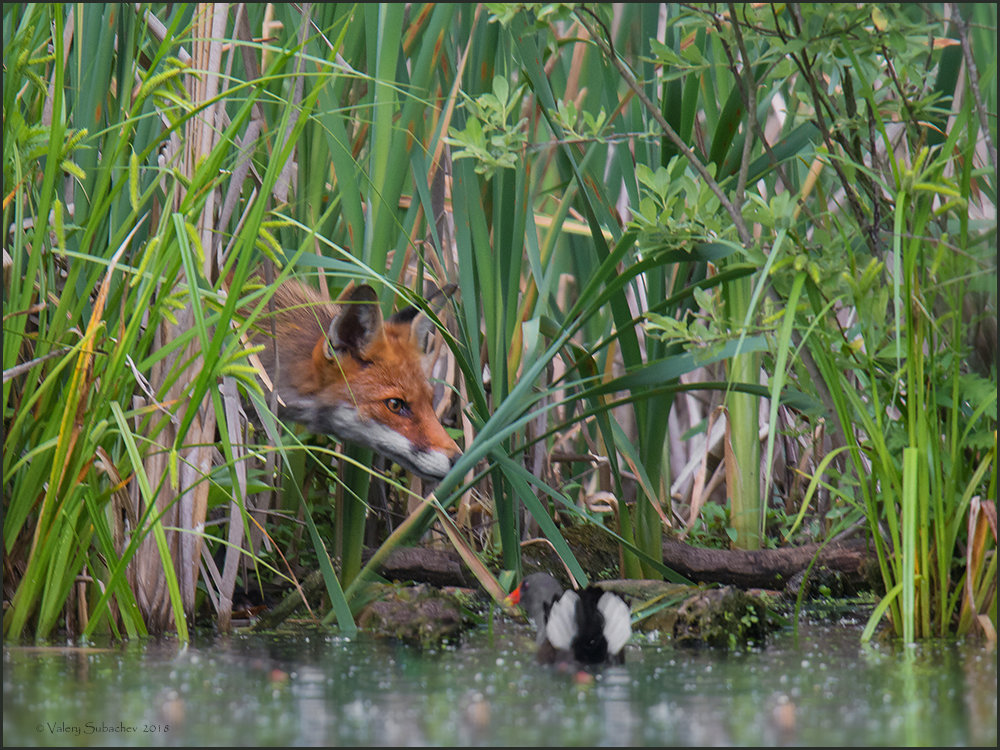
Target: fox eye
x=395 y=405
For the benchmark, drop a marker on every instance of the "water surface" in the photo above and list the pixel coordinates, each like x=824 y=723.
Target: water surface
x=252 y=690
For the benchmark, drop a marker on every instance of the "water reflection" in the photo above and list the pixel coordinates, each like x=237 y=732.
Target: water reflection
x=318 y=690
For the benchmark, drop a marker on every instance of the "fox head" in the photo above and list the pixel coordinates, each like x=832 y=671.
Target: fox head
x=343 y=370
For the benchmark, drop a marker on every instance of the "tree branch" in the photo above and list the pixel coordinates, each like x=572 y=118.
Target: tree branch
x=734 y=213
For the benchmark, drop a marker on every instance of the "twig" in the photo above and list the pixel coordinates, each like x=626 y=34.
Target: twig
x=973 y=74
x=13 y=372
x=750 y=101
x=819 y=103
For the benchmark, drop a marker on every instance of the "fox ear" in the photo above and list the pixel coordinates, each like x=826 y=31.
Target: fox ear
x=422 y=327
x=357 y=322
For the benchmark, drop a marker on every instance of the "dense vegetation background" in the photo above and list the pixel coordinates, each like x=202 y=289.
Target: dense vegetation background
x=726 y=272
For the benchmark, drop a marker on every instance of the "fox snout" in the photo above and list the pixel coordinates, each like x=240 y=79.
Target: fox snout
x=417 y=443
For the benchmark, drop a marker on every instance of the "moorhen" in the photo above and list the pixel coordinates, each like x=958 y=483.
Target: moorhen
x=589 y=627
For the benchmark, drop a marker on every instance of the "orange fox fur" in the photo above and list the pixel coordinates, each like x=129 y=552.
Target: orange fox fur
x=339 y=369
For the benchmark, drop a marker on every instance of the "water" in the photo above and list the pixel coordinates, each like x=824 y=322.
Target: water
x=315 y=689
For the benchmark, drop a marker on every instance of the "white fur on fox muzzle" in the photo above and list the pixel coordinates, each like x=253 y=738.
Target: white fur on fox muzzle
x=346 y=423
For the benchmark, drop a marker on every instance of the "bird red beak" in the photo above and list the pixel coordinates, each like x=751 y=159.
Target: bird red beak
x=514 y=597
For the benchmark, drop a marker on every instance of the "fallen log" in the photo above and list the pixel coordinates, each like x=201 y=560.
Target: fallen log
x=850 y=559
x=438 y=567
